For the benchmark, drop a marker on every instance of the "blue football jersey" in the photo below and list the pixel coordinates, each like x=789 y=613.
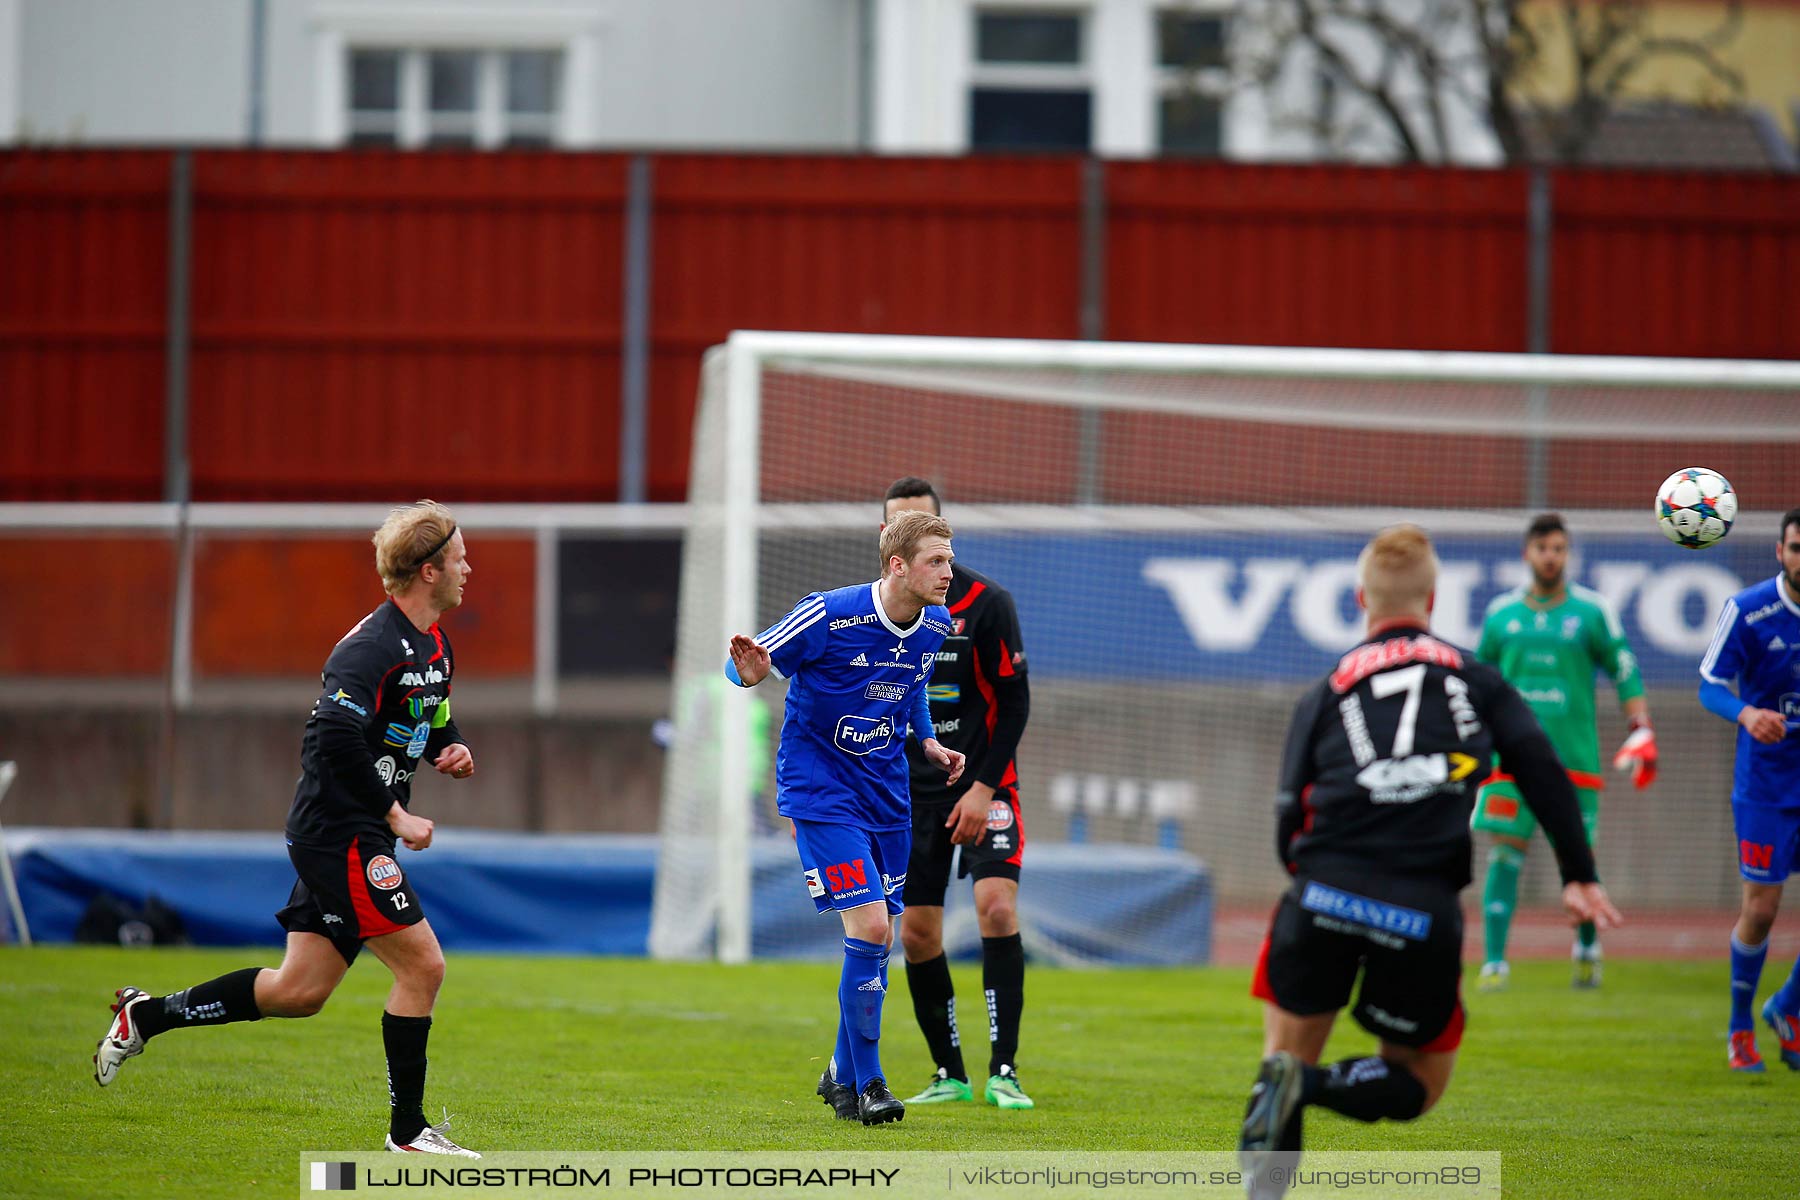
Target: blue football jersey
x=858 y=683
x=1756 y=647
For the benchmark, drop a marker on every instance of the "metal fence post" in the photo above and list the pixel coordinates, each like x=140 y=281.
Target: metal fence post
x=1538 y=223
x=634 y=356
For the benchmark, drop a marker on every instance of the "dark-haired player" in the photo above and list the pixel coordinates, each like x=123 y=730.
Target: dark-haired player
x=1756 y=649
x=1548 y=637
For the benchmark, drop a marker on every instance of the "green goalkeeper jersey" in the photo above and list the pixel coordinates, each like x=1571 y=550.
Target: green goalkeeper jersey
x=1551 y=654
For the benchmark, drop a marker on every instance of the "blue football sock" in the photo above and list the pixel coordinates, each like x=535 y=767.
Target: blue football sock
x=1787 y=1000
x=842 y=1068
x=1746 y=968
x=860 y=993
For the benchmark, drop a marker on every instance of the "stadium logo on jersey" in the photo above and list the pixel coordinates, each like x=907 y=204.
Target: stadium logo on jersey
x=1361 y=910
x=390 y=771
x=814 y=888
x=1000 y=815
x=1410 y=779
x=863 y=735
x=893 y=693
x=849 y=622
x=343 y=698
x=421 y=678
x=384 y=873
x=1767 y=610
x=861 y=660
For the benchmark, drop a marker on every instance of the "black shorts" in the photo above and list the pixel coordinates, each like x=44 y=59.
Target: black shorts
x=995 y=856
x=349 y=894
x=1404 y=936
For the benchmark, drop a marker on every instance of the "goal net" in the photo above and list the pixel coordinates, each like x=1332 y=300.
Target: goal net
x=1179 y=527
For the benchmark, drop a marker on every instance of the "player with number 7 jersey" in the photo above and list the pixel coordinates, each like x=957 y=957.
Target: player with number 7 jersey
x=1378 y=777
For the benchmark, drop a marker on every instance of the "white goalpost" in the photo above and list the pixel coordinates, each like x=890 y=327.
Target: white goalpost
x=1177 y=525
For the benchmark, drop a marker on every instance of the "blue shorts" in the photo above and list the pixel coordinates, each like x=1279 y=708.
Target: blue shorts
x=1768 y=842
x=848 y=867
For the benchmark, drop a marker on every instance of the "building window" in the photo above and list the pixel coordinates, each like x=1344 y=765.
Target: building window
x=1030 y=87
x=1192 y=60
x=454 y=98
x=1011 y=37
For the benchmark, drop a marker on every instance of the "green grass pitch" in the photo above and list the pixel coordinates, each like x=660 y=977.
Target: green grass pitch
x=1618 y=1093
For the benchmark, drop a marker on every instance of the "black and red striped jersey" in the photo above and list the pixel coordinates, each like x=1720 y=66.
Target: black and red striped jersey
x=1385 y=754
x=383 y=709
x=979 y=696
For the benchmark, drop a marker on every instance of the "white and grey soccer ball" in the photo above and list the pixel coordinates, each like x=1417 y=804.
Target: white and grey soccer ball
x=1695 y=507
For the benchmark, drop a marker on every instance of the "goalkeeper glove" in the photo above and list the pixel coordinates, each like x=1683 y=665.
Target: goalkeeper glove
x=1638 y=754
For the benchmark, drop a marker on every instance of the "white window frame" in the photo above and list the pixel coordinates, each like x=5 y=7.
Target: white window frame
x=1031 y=77
x=574 y=27
x=925 y=68
x=1171 y=81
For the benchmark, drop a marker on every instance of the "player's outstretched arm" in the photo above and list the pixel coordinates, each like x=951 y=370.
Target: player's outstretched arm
x=749 y=664
x=1589 y=902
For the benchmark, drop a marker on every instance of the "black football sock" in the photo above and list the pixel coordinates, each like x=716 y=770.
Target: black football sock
x=934 y=1004
x=1290 y=1133
x=1003 y=977
x=216 y=1002
x=1366 y=1089
x=404 y=1039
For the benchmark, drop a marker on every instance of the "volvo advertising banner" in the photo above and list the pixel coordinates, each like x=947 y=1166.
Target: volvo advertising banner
x=1275 y=606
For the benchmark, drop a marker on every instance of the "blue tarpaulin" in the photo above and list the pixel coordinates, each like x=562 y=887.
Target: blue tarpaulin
x=591 y=894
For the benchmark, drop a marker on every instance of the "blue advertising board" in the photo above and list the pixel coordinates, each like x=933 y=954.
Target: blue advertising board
x=1213 y=607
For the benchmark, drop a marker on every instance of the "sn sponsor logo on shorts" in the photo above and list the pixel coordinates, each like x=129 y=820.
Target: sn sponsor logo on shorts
x=863 y=735
x=847 y=879
x=1756 y=858
x=384 y=873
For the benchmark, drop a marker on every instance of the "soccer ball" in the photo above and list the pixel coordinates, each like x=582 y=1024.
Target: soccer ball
x=1695 y=507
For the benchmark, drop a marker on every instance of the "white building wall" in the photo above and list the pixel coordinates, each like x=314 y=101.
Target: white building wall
x=700 y=73
x=110 y=71
x=9 y=70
